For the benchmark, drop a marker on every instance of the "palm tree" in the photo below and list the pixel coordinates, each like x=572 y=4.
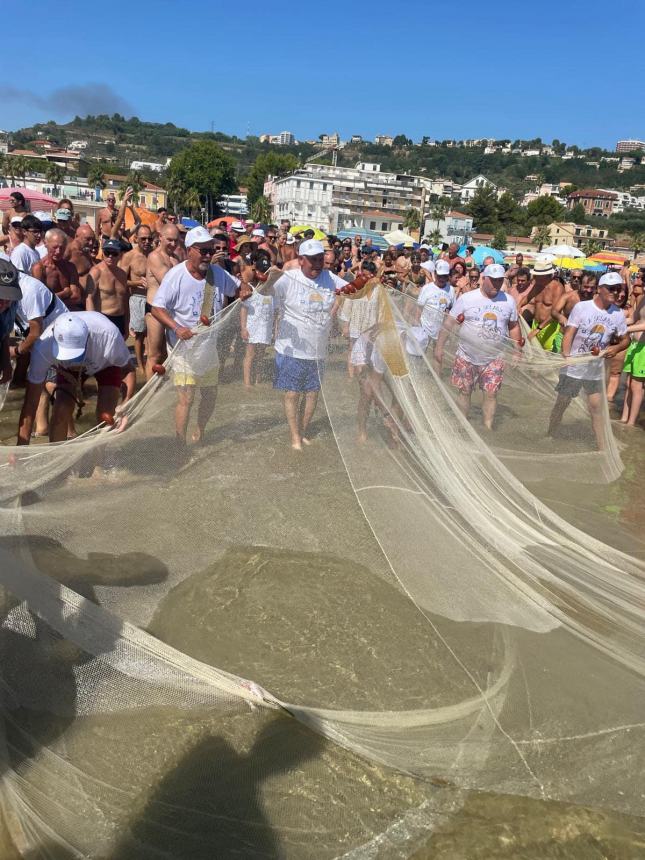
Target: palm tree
x=95 y=176
x=591 y=247
x=191 y=200
x=261 y=210
x=176 y=192
x=638 y=243
x=133 y=180
x=542 y=236
x=19 y=165
x=437 y=211
x=55 y=174
x=412 y=220
x=435 y=237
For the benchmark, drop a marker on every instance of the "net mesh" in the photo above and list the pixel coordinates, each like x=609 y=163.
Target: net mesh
x=233 y=648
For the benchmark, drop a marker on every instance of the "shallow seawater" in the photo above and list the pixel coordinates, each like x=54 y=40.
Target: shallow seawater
x=235 y=782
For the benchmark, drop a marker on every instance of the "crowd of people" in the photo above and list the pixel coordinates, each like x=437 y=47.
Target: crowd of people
x=107 y=300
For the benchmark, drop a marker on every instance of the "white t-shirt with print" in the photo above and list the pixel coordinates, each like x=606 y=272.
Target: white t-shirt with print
x=435 y=300
x=183 y=296
x=23 y=257
x=36 y=298
x=305 y=307
x=105 y=347
x=595 y=327
x=486 y=325
x=259 y=320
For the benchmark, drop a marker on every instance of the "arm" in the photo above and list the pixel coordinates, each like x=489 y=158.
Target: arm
x=74 y=291
x=623 y=343
x=557 y=309
x=449 y=324
x=515 y=333
x=156 y=268
x=636 y=327
x=38 y=272
x=567 y=340
x=120 y=217
x=166 y=320
x=92 y=296
x=28 y=412
x=6 y=370
x=35 y=331
x=137 y=222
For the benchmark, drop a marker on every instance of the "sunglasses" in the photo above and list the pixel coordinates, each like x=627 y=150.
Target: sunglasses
x=111 y=253
x=205 y=252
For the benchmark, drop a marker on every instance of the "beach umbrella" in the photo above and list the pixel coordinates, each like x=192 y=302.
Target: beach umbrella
x=190 y=223
x=301 y=228
x=563 y=251
x=36 y=199
x=228 y=218
x=377 y=240
x=399 y=237
x=570 y=262
x=608 y=258
x=483 y=251
x=147 y=217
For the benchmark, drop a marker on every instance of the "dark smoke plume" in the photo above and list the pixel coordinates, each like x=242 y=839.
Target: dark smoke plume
x=68 y=101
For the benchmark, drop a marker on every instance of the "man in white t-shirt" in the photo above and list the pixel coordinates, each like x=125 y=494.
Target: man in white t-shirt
x=596 y=328
x=25 y=255
x=435 y=300
x=486 y=319
x=190 y=292
x=305 y=302
x=37 y=309
x=76 y=345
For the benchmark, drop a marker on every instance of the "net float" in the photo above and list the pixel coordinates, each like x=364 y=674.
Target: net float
x=595 y=350
x=107 y=418
x=158 y=369
x=460 y=318
x=204 y=320
x=522 y=341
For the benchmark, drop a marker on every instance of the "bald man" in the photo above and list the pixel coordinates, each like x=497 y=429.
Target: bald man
x=135 y=266
x=59 y=274
x=79 y=252
x=160 y=261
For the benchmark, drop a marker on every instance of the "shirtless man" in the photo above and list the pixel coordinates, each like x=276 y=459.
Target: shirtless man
x=545 y=293
x=106 y=217
x=59 y=274
x=520 y=285
x=110 y=294
x=135 y=266
x=159 y=262
x=511 y=273
x=79 y=253
x=289 y=253
x=162 y=219
x=582 y=289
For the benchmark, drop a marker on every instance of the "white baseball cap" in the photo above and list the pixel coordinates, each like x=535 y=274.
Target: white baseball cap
x=610 y=279
x=70 y=337
x=442 y=267
x=238 y=227
x=197 y=235
x=310 y=248
x=44 y=217
x=291 y=240
x=494 y=271
x=258 y=232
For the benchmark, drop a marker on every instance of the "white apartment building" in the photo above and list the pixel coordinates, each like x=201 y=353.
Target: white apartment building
x=330 y=139
x=384 y=140
x=630 y=145
x=454 y=227
x=469 y=189
x=337 y=198
x=148 y=165
x=285 y=138
x=303 y=198
x=234 y=204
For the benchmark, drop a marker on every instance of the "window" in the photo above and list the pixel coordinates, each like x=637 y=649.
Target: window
x=372 y=225
x=384 y=225
x=311 y=185
x=298 y=183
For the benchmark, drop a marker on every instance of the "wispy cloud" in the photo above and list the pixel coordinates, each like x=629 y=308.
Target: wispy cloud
x=69 y=101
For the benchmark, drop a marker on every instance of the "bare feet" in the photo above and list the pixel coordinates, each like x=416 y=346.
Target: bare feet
x=306 y=441
x=361 y=438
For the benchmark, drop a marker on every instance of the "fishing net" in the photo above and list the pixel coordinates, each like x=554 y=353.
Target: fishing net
x=255 y=651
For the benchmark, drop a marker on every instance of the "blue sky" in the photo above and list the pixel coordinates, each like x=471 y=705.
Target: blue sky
x=571 y=70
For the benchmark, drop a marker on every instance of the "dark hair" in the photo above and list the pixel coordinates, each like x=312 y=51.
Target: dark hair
x=444 y=246
x=309 y=234
x=470 y=248
x=161 y=209
x=523 y=271
x=221 y=237
x=18 y=196
x=369 y=266
x=30 y=222
x=461 y=265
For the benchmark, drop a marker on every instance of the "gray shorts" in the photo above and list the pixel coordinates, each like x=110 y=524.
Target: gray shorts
x=138 y=313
